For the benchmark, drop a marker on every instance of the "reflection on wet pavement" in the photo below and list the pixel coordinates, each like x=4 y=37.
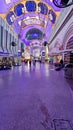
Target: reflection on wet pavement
x=35 y=98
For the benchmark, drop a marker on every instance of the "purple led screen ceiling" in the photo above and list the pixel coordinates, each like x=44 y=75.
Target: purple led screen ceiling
x=25 y=15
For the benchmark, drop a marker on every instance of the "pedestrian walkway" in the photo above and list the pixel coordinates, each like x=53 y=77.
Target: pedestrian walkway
x=37 y=98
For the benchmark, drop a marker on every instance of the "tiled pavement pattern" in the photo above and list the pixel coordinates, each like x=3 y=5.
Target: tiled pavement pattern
x=36 y=98
x=61 y=124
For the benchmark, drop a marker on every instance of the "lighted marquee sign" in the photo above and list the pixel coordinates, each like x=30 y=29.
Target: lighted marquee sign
x=33 y=21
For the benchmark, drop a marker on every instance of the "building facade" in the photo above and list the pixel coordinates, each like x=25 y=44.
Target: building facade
x=61 y=38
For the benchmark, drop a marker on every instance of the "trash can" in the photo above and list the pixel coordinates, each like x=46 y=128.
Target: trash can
x=68 y=69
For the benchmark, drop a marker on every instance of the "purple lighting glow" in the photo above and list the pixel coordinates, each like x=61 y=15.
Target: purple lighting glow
x=26 y=20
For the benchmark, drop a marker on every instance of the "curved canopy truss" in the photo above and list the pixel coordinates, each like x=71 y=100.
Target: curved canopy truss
x=27 y=15
x=63 y=3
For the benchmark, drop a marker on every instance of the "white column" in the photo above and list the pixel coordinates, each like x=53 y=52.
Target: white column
x=8 y=43
x=0 y=35
x=17 y=46
x=14 y=46
x=46 y=50
x=8 y=40
x=11 y=45
x=0 y=40
x=4 y=41
x=4 y=36
x=12 y=39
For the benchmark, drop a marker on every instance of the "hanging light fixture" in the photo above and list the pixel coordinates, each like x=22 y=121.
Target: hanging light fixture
x=63 y=3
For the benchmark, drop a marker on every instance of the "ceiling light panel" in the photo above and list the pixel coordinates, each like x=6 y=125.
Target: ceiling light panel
x=19 y=9
x=31 y=6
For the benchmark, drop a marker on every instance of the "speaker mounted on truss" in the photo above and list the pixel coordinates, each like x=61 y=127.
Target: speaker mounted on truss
x=45 y=43
x=13 y=43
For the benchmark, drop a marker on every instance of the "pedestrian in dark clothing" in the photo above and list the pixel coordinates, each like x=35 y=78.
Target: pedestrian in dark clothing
x=61 y=61
x=34 y=62
x=30 y=63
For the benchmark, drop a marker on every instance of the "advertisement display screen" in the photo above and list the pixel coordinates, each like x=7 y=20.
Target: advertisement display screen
x=43 y=54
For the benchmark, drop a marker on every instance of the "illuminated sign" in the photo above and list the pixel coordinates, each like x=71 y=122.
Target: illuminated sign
x=43 y=54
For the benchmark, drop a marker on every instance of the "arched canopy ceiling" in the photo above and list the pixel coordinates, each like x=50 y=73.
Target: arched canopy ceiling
x=24 y=16
x=34 y=34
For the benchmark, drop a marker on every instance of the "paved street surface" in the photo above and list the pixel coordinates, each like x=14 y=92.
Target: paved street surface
x=36 y=98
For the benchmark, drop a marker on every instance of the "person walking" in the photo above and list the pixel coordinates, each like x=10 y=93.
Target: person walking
x=30 y=62
x=61 y=64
